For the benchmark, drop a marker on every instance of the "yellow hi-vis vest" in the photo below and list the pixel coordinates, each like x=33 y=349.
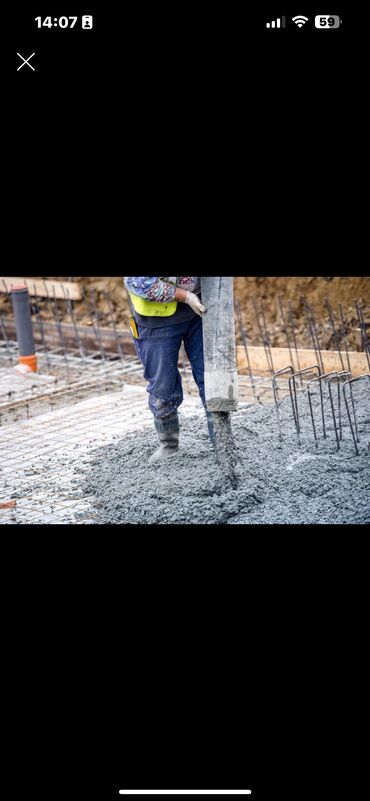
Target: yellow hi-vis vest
x=150 y=308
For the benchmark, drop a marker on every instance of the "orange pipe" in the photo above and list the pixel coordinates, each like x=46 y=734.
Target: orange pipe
x=31 y=362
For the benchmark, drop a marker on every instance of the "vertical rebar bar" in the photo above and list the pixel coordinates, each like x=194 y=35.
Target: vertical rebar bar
x=309 y=325
x=344 y=337
x=262 y=337
x=91 y=304
x=319 y=380
x=267 y=335
x=312 y=419
x=285 y=328
x=41 y=327
x=346 y=383
x=275 y=390
x=293 y=399
x=69 y=305
x=315 y=330
x=57 y=323
x=363 y=326
x=243 y=335
x=110 y=308
x=355 y=438
x=335 y=332
x=313 y=333
x=59 y=326
x=6 y=340
x=96 y=315
x=330 y=380
x=291 y=320
x=342 y=374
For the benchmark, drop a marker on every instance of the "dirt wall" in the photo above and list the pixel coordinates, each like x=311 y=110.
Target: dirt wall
x=339 y=290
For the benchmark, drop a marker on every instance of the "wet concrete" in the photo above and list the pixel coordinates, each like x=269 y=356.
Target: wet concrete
x=278 y=482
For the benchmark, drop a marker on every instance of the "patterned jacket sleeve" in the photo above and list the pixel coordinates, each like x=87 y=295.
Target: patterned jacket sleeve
x=155 y=289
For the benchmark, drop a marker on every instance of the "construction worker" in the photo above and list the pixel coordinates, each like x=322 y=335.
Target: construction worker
x=164 y=313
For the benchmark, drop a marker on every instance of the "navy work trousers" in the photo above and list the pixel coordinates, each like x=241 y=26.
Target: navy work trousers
x=158 y=349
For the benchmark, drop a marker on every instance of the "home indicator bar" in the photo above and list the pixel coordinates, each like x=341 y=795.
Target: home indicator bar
x=185 y=792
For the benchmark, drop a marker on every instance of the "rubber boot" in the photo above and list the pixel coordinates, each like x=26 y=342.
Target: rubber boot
x=168 y=430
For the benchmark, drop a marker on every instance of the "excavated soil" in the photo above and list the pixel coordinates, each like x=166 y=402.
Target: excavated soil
x=278 y=482
x=338 y=290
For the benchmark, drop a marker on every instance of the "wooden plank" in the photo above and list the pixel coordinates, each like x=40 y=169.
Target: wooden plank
x=307 y=358
x=37 y=287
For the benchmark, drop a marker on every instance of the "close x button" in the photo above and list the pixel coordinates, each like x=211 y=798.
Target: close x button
x=25 y=62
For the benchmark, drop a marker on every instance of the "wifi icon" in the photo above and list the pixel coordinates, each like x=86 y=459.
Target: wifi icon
x=300 y=20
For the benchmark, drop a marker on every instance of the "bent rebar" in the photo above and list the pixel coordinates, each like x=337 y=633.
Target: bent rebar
x=346 y=383
x=319 y=379
x=337 y=377
x=294 y=399
x=275 y=390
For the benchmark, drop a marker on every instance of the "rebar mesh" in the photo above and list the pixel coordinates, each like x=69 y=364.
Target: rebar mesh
x=43 y=459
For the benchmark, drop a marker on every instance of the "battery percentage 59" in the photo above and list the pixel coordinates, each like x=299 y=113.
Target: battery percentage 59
x=327 y=21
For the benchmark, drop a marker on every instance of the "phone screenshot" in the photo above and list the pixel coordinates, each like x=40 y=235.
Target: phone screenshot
x=180 y=454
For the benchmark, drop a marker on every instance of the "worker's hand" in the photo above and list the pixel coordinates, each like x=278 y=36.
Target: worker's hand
x=193 y=301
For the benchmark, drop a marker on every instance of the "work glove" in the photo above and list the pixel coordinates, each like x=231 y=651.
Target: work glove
x=193 y=301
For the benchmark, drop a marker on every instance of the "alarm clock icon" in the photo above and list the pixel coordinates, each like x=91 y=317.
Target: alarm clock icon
x=87 y=22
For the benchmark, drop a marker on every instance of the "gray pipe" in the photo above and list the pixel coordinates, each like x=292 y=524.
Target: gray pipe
x=220 y=370
x=221 y=377
x=23 y=322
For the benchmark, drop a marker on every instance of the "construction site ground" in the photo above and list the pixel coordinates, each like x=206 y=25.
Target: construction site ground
x=76 y=435
x=82 y=458
x=278 y=482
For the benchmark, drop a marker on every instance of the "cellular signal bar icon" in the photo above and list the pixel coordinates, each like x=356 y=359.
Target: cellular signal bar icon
x=278 y=23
